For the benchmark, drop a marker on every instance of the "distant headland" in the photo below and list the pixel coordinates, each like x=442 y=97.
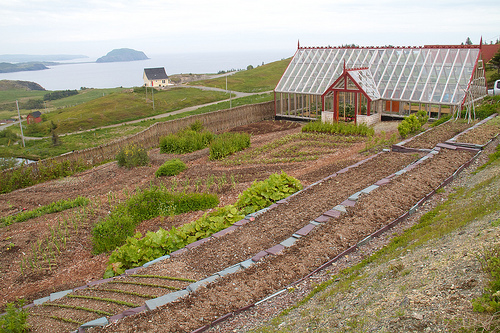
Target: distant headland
x=123 y=55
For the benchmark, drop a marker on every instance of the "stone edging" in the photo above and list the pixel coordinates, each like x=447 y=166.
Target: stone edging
x=336 y=212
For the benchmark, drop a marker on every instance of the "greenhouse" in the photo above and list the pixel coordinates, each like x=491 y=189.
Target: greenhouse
x=361 y=84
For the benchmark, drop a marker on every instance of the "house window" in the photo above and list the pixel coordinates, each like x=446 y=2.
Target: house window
x=162 y=81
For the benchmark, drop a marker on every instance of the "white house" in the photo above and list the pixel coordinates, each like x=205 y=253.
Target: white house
x=155 y=77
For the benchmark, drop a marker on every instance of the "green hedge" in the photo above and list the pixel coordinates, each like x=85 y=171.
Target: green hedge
x=338 y=128
x=228 y=143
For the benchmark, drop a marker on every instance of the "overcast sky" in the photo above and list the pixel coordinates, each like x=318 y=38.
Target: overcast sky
x=95 y=27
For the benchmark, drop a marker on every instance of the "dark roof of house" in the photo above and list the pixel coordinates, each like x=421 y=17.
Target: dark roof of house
x=155 y=73
x=35 y=114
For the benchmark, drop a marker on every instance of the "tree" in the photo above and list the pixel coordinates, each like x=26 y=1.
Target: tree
x=55 y=137
x=495 y=61
x=249 y=67
x=468 y=41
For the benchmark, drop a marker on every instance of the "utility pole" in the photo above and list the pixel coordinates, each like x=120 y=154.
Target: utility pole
x=153 y=95
x=230 y=100
x=20 y=125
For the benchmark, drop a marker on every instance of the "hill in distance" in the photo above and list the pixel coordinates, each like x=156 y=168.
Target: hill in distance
x=123 y=55
x=24 y=85
x=17 y=58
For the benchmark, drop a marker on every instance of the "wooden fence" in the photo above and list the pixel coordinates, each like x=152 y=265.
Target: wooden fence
x=216 y=121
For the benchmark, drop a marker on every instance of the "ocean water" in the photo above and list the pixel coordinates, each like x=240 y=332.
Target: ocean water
x=87 y=73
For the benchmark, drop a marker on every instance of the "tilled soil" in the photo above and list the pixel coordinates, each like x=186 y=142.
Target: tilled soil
x=440 y=133
x=271 y=273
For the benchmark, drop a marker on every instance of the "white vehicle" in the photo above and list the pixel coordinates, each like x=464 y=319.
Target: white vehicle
x=496 y=89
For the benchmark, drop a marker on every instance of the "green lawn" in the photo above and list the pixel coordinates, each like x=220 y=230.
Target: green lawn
x=118 y=107
x=259 y=79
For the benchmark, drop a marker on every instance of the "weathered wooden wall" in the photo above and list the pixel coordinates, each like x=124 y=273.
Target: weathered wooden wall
x=216 y=121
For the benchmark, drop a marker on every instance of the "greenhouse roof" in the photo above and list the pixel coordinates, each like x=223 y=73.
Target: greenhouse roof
x=432 y=74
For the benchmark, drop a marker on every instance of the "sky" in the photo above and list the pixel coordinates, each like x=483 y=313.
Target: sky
x=95 y=27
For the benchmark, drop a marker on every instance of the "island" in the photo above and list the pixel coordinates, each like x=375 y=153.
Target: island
x=123 y=55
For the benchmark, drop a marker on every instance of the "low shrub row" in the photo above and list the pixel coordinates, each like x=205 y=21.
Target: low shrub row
x=54 y=207
x=228 y=143
x=190 y=139
x=112 y=231
x=338 y=128
x=29 y=175
x=137 y=251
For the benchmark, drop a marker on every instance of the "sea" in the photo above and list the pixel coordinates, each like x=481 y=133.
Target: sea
x=86 y=73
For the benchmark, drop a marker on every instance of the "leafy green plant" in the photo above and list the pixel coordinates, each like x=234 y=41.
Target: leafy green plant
x=132 y=156
x=171 y=168
x=14 y=321
x=228 y=143
x=263 y=194
x=54 y=207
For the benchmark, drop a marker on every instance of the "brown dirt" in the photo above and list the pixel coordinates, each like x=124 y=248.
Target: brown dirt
x=438 y=134
x=106 y=184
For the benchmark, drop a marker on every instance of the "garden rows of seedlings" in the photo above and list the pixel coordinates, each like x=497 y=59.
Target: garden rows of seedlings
x=270 y=273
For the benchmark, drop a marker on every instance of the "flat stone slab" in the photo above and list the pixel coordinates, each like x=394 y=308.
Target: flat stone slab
x=59 y=294
x=156 y=260
x=322 y=219
x=275 y=249
x=332 y=213
x=103 y=321
x=41 y=300
x=198 y=242
x=195 y=285
x=305 y=230
x=349 y=203
x=444 y=145
x=344 y=170
x=383 y=181
x=355 y=196
x=369 y=189
x=400 y=172
x=93 y=283
x=259 y=255
x=229 y=270
x=241 y=222
x=289 y=241
x=247 y=263
x=162 y=300
x=225 y=231
x=340 y=208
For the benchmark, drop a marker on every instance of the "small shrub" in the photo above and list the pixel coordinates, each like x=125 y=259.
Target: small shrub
x=412 y=123
x=228 y=143
x=14 y=321
x=171 y=168
x=197 y=126
x=132 y=156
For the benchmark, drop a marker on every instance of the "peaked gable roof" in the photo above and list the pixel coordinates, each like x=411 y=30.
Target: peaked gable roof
x=155 y=73
x=35 y=114
x=432 y=74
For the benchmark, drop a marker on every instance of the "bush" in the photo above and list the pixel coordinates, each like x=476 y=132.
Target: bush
x=228 y=143
x=490 y=300
x=185 y=141
x=412 y=123
x=132 y=156
x=14 y=321
x=171 y=168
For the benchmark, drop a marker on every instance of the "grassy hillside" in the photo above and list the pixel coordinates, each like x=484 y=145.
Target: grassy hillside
x=120 y=107
x=262 y=78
